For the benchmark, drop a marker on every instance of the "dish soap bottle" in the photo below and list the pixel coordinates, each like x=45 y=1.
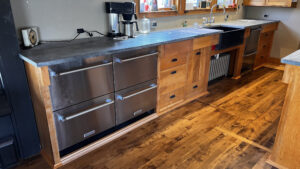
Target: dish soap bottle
x=145 y=25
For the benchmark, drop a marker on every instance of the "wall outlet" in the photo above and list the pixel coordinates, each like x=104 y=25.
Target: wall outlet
x=154 y=24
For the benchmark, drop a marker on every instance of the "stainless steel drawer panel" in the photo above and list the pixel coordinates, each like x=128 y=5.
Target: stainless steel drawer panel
x=82 y=121
x=134 y=101
x=75 y=82
x=131 y=68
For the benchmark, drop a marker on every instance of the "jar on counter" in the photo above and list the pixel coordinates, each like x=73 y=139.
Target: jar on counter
x=145 y=26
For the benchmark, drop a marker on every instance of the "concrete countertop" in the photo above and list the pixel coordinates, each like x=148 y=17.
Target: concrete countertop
x=60 y=52
x=245 y=23
x=292 y=59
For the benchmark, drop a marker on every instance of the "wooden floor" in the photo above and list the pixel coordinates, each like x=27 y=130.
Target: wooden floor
x=233 y=127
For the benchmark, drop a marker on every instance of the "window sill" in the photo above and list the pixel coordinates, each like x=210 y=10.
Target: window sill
x=197 y=11
x=157 y=14
x=227 y=9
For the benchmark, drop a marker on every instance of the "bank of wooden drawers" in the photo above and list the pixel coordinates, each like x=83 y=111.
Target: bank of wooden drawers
x=175 y=54
x=172 y=79
x=171 y=98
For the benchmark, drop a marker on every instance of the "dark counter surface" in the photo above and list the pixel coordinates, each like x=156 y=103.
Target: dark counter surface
x=60 y=52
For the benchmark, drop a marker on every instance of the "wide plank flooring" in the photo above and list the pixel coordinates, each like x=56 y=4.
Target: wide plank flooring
x=232 y=127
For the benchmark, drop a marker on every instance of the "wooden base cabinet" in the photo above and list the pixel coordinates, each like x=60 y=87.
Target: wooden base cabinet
x=183 y=69
x=265 y=44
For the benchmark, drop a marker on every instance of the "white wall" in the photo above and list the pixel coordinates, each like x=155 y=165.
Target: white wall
x=59 y=19
x=287 y=38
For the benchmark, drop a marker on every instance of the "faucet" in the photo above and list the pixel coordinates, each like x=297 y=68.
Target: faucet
x=212 y=19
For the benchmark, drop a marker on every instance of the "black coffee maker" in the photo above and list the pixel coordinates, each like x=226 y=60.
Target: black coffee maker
x=128 y=19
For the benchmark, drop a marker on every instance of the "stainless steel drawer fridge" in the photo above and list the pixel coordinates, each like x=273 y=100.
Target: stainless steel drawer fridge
x=77 y=123
x=79 y=81
x=134 y=67
x=135 y=101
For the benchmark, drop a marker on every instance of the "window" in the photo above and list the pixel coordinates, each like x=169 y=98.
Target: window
x=228 y=3
x=157 y=5
x=162 y=8
x=197 y=4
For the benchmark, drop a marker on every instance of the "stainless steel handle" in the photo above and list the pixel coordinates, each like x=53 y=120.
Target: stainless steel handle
x=250 y=54
x=52 y=73
x=65 y=118
x=152 y=86
x=118 y=60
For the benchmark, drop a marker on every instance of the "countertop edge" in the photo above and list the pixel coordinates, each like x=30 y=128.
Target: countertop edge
x=292 y=59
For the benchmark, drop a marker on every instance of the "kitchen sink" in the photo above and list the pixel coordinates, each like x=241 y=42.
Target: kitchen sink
x=230 y=37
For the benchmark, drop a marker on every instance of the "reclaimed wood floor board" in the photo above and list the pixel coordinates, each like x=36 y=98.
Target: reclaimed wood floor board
x=197 y=135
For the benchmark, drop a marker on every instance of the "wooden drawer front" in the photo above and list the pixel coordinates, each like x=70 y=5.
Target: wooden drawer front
x=269 y=27
x=171 y=98
x=266 y=37
x=172 y=79
x=265 y=48
x=206 y=41
x=194 y=64
x=175 y=54
x=261 y=58
x=193 y=89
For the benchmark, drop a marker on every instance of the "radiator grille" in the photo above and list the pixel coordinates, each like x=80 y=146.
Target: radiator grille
x=219 y=67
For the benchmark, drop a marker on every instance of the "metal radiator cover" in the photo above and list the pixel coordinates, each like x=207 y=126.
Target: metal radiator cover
x=219 y=67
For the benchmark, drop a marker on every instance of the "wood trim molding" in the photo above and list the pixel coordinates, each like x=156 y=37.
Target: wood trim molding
x=274 y=61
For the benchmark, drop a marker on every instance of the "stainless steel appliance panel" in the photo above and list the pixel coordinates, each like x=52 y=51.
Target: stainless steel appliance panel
x=113 y=23
x=135 y=101
x=252 y=41
x=251 y=49
x=78 y=81
x=79 y=122
x=134 y=67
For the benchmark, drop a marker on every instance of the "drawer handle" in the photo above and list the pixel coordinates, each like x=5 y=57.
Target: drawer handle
x=174 y=60
x=253 y=53
x=52 y=73
x=198 y=53
x=65 y=118
x=118 y=60
x=174 y=72
x=173 y=96
x=195 y=87
x=152 y=86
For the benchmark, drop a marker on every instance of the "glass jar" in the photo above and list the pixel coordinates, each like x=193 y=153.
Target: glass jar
x=145 y=25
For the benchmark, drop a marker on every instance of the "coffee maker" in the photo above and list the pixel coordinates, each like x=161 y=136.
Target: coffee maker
x=121 y=12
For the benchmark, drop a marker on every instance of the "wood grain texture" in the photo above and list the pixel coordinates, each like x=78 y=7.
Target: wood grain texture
x=286 y=151
x=206 y=41
x=265 y=45
x=175 y=54
x=172 y=79
x=187 y=137
x=38 y=79
x=272 y=26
